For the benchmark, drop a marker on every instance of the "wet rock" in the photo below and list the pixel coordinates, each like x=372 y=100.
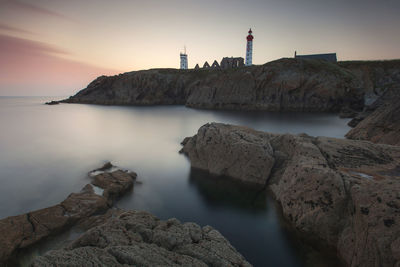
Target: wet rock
x=140 y=239
x=105 y=167
x=24 y=230
x=84 y=204
x=337 y=192
x=114 y=181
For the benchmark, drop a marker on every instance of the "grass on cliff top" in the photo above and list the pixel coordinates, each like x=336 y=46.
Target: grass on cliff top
x=340 y=68
x=203 y=73
x=371 y=63
x=311 y=65
x=331 y=67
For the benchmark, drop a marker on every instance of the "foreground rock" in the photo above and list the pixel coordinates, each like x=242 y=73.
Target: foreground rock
x=22 y=231
x=140 y=239
x=380 y=122
x=340 y=193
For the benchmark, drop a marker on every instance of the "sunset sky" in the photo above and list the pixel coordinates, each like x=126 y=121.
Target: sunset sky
x=56 y=47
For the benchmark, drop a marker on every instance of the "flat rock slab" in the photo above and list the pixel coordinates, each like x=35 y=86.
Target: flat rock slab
x=114 y=183
x=341 y=193
x=140 y=239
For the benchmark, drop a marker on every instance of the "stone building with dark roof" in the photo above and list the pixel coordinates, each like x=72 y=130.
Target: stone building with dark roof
x=331 y=57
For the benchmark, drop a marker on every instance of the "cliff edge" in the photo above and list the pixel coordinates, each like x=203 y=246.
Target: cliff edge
x=281 y=85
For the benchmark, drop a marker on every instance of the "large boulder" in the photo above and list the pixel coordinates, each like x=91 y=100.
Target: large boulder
x=336 y=192
x=140 y=239
x=247 y=157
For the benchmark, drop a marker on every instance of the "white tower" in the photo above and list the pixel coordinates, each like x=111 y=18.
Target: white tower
x=184 y=60
x=249 y=49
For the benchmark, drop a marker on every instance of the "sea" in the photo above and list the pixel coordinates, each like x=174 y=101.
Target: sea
x=47 y=151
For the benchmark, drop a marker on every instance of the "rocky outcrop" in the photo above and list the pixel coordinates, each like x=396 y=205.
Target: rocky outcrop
x=24 y=230
x=285 y=84
x=140 y=239
x=114 y=181
x=52 y=103
x=379 y=122
x=340 y=193
x=221 y=151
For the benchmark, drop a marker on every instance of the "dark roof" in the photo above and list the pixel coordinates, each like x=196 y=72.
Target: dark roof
x=328 y=57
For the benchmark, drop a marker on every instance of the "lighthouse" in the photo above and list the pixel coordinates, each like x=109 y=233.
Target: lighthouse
x=184 y=60
x=249 y=49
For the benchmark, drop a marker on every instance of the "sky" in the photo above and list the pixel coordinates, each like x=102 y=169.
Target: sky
x=56 y=47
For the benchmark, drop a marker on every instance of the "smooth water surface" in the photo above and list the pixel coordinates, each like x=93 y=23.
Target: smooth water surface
x=47 y=151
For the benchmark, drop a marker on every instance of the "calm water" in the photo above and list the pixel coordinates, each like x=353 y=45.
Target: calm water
x=46 y=152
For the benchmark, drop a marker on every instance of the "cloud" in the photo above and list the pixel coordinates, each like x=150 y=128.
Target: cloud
x=37 y=68
x=8 y=28
x=25 y=46
x=32 y=8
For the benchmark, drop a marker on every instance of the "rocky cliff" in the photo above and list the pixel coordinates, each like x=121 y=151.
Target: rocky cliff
x=375 y=77
x=285 y=84
x=380 y=121
x=336 y=192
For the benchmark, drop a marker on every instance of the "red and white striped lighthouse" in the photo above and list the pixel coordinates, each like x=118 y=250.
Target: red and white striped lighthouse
x=249 y=49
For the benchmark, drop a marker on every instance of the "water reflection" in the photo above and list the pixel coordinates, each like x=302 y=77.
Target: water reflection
x=225 y=192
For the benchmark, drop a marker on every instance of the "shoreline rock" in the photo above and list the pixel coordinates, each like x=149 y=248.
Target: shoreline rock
x=342 y=193
x=22 y=231
x=53 y=103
